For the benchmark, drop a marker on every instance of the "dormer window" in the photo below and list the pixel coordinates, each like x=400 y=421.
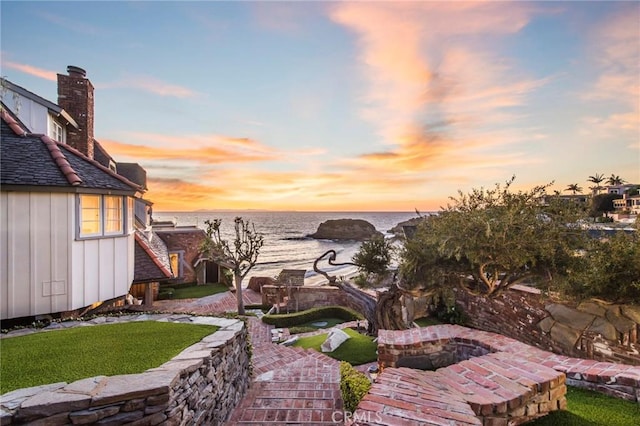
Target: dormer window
x=55 y=131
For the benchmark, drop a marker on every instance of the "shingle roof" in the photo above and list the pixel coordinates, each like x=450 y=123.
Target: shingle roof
x=151 y=259
x=36 y=160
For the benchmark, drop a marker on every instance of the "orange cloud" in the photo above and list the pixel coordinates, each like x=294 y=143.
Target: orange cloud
x=207 y=149
x=176 y=194
x=436 y=86
x=31 y=70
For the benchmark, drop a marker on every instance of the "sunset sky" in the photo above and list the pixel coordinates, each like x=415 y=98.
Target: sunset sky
x=344 y=106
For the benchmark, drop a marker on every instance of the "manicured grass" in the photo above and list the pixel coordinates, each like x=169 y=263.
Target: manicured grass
x=427 y=321
x=359 y=349
x=588 y=408
x=81 y=352
x=197 y=291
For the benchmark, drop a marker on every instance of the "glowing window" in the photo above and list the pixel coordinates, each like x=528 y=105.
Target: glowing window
x=113 y=223
x=90 y=215
x=101 y=215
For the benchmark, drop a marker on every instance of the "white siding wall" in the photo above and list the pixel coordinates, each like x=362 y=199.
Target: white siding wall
x=103 y=269
x=32 y=114
x=35 y=264
x=43 y=269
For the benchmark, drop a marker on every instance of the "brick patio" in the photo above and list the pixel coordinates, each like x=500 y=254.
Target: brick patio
x=492 y=379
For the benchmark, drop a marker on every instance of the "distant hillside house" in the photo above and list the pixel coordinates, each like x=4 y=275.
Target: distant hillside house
x=628 y=203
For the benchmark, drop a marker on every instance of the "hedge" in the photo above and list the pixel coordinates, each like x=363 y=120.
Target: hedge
x=290 y=320
x=354 y=385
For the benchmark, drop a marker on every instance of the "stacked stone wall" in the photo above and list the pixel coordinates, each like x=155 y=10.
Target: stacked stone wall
x=200 y=386
x=593 y=330
x=304 y=298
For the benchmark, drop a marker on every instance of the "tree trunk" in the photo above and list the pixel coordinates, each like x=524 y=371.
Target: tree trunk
x=361 y=302
x=238 y=280
x=389 y=310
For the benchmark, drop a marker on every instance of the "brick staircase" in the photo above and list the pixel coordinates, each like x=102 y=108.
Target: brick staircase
x=291 y=385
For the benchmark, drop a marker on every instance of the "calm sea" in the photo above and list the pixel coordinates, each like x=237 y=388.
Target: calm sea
x=286 y=245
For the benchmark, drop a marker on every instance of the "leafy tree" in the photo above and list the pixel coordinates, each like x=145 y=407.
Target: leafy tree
x=609 y=269
x=615 y=180
x=240 y=256
x=597 y=179
x=374 y=257
x=574 y=188
x=489 y=240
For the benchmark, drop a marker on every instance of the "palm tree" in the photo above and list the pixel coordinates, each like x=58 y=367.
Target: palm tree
x=574 y=187
x=597 y=179
x=615 y=180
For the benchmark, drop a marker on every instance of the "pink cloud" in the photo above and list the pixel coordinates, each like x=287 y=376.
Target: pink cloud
x=615 y=47
x=31 y=70
x=425 y=58
x=151 y=85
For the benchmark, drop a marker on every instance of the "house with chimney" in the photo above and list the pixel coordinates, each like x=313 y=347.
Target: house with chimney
x=74 y=228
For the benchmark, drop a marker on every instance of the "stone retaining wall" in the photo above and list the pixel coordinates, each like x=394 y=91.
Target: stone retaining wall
x=437 y=344
x=592 y=329
x=303 y=298
x=200 y=386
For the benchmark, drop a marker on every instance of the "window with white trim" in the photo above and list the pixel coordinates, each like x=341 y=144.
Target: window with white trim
x=90 y=217
x=101 y=215
x=113 y=215
x=55 y=131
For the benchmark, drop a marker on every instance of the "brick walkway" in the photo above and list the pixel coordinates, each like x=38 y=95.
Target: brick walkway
x=291 y=385
x=215 y=304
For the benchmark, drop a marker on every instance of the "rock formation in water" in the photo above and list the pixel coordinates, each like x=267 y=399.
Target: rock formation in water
x=346 y=229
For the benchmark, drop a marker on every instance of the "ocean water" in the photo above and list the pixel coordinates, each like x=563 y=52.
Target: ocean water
x=286 y=245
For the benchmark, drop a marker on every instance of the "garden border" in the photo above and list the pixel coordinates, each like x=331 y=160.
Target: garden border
x=200 y=386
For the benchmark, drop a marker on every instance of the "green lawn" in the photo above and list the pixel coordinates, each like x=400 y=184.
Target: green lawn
x=588 y=408
x=359 y=349
x=197 y=291
x=81 y=352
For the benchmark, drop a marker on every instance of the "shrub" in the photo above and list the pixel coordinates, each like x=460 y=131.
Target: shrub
x=354 y=385
x=608 y=269
x=301 y=329
x=297 y=318
x=166 y=293
x=451 y=315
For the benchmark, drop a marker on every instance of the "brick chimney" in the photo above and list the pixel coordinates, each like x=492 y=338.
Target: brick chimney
x=75 y=95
